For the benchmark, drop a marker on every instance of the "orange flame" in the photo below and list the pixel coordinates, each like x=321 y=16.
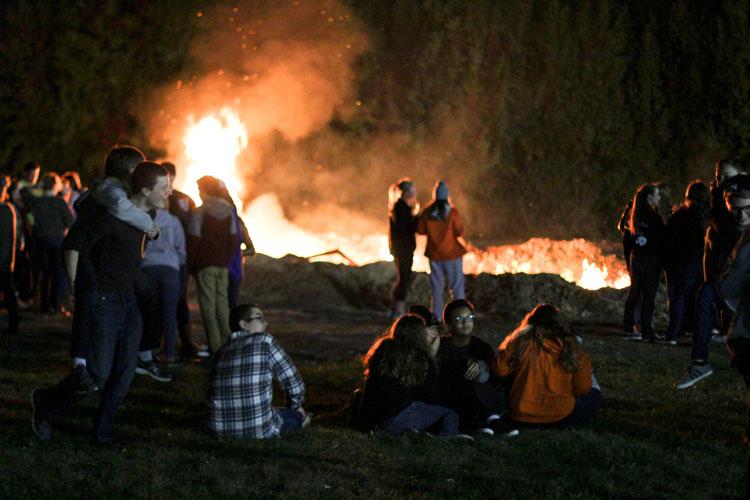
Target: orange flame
x=213 y=144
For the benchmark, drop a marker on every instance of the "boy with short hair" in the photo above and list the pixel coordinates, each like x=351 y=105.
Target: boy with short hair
x=468 y=383
x=241 y=385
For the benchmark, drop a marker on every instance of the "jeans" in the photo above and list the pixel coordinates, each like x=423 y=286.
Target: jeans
x=9 y=297
x=421 y=416
x=159 y=287
x=585 y=408
x=292 y=419
x=707 y=305
x=49 y=261
x=85 y=291
x=646 y=271
x=450 y=271
x=183 y=312
x=404 y=275
x=684 y=282
x=213 y=283
x=116 y=333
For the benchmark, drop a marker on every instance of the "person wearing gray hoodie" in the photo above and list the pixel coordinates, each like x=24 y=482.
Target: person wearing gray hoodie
x=211 y=239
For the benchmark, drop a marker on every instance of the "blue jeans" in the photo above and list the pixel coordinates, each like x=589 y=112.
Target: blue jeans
x=442 y=272
x=292 y=419
x=706 y=308
x=165 y=283
x=421 y=416
x=684 y=283
x=111 y=361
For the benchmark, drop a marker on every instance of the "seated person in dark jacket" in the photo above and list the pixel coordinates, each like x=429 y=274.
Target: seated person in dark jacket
x=401 y=387
x=468 y=383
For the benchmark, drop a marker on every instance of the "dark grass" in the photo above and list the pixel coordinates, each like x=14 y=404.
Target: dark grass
x=649 y=440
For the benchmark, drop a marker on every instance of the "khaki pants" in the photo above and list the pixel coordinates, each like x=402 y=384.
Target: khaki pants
x=213 y=283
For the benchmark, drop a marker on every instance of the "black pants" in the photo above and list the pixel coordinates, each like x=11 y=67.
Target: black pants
x=9 y=299
x=474 y=402
x=149 y=304
x=85 y=291
x=645 y=272
x=111 y=363
x=404 y=275
x=49 y=262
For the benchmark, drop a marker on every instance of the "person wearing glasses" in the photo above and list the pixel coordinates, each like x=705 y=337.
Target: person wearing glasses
x=552 y=382
x=468 y=383
x=241 y=385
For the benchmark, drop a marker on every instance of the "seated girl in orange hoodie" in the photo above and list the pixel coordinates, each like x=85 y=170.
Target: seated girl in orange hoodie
x=552 y=383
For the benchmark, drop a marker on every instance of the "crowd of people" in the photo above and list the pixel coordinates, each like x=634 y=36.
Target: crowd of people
x=129 y=242
x=700 y=247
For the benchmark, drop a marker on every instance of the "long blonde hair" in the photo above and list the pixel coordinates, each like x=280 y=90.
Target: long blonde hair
x=402 y=353
x=545 y=321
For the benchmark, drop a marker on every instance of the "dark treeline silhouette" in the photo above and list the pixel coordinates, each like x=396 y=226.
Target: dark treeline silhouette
x=547 y=112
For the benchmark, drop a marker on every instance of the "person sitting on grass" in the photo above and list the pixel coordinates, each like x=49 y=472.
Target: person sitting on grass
x=241 y=385
x=552 y=382
x=432 y=324
x=401 y=390
x=468 y=383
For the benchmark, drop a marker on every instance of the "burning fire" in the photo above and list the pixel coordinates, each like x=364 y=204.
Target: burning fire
x=213 y=144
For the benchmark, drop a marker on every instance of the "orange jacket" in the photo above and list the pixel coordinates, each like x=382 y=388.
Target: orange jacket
x=541 y=391
x=442 y=236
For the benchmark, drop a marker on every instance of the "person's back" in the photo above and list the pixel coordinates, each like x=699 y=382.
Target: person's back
x=51 y=217
x=542 y=391
x=211 y=235
x=442 y=235
x=241 y=384
x=686 y=231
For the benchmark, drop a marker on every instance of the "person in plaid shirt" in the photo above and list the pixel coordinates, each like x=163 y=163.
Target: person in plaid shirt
x=240 y=390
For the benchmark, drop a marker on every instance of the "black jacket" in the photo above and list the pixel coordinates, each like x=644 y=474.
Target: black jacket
x=403 y=227
x=721 y=237
x=649 y=235
x=686 y=236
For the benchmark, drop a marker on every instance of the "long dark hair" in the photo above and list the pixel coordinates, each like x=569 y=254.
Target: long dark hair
x=641 y=206
x=545 y=321
x=698 y=199
x=402 y=353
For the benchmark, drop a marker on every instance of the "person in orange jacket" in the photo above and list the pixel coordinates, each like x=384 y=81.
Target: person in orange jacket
x=442 y=225
x=552 y=383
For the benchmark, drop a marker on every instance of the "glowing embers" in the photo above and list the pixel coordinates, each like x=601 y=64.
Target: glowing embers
x=212 y=145
x=578 y=261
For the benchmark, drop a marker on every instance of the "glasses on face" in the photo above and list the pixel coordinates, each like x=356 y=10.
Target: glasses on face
x=463 y=319
x=251 y=318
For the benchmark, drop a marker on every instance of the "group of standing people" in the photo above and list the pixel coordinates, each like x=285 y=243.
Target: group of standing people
x=700 y=248
x=128 y=257
x=441 y=223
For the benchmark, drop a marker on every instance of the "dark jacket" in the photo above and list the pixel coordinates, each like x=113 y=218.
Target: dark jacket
x=403 y=228
x=181 y=206
x=8 y=234
x=686 y=234
x=50 y=217
x=721 y=237
x=649 y=235
x=734 y=285
x=212 y=235
x=385 y=397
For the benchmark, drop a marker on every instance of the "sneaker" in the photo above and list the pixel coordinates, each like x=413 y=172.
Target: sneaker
x=202 y=352
x=464 y=437
x=659 y=336
x=152 y=370
x=629 y=334
x=513 y=433
x=719 y=339
x=307 y=421
x=83 y=382
x=40 y=424
x=634 y=336
x=483 y=431
x=668 y=341
x=696 y=373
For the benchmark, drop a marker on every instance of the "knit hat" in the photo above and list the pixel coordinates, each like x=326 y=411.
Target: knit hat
x=441 y=191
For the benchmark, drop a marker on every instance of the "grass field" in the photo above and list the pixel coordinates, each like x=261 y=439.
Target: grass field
x=648 y=441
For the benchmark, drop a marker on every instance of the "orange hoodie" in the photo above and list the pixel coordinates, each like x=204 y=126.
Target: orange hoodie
x=542 y=391
x=442 y=236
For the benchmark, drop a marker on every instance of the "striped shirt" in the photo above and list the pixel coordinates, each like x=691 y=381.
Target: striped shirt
x=240 y=389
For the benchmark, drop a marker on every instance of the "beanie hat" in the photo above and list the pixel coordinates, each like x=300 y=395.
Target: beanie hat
x=441 y=191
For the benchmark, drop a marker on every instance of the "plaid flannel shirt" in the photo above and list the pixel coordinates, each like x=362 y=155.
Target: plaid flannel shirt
x=240 y=392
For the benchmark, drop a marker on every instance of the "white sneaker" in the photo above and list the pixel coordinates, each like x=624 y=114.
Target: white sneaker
x=696 y=373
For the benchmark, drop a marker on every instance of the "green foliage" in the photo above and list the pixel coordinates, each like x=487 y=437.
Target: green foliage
x=566 y=106
x=73 y=70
